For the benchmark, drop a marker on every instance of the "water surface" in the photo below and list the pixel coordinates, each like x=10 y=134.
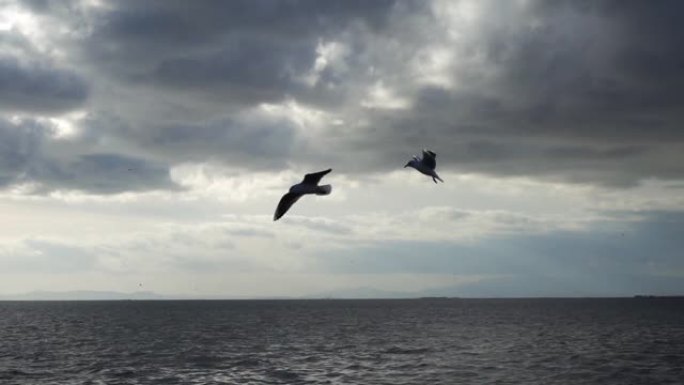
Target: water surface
x=435 y=341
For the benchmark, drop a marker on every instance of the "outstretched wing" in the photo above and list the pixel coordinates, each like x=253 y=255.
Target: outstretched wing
x=315 y=177
x=429 y=159
x=285 y=203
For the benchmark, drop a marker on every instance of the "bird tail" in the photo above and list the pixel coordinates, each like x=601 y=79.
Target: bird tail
x=324 y=190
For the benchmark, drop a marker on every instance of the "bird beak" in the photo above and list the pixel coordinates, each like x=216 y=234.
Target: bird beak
x=407 y=164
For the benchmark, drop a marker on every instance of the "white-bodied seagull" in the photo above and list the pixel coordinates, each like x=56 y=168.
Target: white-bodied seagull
x=308 y=186
x=426 y=165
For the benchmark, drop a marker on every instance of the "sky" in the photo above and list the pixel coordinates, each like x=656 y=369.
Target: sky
x=144 y=145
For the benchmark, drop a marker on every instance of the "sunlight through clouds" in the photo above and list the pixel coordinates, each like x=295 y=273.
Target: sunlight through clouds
x=152 y=141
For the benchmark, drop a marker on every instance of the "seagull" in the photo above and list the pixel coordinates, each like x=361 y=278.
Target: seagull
x=426 y=165
x=308 y=186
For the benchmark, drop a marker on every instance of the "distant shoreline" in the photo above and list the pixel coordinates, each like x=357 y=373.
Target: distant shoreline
x=445 y=299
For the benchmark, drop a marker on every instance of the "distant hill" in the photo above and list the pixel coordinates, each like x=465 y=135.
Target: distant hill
x=81 y=295
x=368 y=292
x=94 y=295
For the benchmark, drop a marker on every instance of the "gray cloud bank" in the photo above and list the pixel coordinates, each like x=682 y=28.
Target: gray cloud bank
x=28 y=156
x=574 y=91
x=36 y=88
x=608 y=260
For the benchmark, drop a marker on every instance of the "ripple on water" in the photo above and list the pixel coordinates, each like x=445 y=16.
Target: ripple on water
x=343 y=342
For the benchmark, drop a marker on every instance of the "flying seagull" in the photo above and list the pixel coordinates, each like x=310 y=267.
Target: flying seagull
x=426 y=165
x=308 y=186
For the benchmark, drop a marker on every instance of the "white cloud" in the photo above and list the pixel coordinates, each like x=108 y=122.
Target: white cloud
x=381 y=97
x=330 y=55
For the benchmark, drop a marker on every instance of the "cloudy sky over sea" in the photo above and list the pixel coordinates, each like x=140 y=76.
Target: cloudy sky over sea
x=144 y=145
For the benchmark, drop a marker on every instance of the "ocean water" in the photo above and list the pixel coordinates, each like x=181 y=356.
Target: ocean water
x=430 y=341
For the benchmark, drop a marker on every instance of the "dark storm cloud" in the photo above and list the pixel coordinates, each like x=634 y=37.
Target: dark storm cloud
x=26 y=156
x=577 y=91
x=37 y=88
x=106 y=174
x=19 y=146
x=247 y=71
x=250 y=49
x=253 y=143
x=180 y=22
x=590 y=69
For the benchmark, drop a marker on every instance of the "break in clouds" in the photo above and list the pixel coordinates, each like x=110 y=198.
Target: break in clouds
x=108 y=97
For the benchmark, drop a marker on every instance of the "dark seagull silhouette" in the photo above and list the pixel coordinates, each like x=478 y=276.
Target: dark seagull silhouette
x=308 y=186
x=426 y=165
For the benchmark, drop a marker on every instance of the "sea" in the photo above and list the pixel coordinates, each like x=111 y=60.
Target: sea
x=418 y=341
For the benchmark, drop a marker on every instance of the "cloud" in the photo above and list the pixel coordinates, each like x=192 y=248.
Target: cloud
x=30 y=154
x=38 y=88
x=608 y=258
x=536 y=90
x=255 y=140
x=320 y=224
x=109 y=173
x=247 y=44
x=43 y=256
x=240 y=72
x=198 y=248
x=20 y=144
x=557 y=127
x=561 y=92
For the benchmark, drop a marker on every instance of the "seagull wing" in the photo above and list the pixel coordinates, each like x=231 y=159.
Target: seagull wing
x=429 y=159
x=315 y=177
x=285 y=203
